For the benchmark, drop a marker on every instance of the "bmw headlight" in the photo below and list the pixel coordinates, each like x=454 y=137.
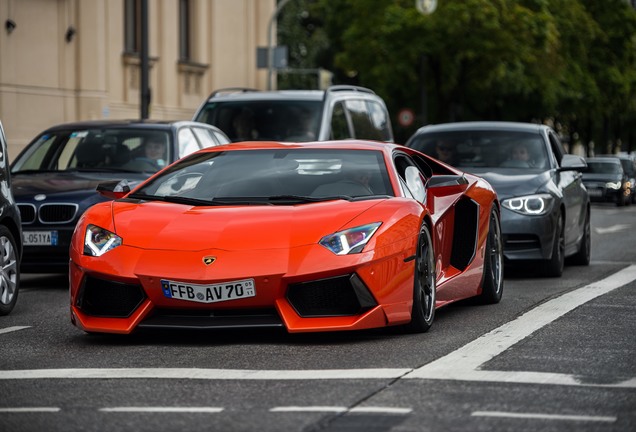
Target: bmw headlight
x=539 y=204
x=613 y=185
x=351 y=240
x=98 y=241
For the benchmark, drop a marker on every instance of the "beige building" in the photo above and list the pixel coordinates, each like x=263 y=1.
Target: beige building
x=67 y=60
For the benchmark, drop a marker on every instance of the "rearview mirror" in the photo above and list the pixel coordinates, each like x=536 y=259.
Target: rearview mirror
x=572 y=162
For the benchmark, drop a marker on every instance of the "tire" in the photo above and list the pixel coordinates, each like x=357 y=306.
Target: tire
x=9 y=271
x=554 y=266
x=492 y=279
x=582 y=257
x=424 y=294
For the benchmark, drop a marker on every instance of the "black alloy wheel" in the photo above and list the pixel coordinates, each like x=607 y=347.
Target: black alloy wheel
x=424 y=292
x=493 y=278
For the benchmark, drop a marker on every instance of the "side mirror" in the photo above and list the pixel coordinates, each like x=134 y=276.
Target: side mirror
x=113 y=189
x=572 y=162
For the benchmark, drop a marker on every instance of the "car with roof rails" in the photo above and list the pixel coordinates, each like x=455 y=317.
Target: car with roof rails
x=337 y=113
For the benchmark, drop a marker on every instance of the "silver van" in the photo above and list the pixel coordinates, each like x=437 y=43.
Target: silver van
x=339 y=112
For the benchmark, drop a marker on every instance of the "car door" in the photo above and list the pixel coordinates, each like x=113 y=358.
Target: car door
x=574 y=196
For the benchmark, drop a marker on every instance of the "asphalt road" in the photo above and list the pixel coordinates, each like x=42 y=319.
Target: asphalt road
x=554 y=355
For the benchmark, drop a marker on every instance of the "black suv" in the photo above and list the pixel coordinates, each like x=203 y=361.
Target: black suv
x=339 y=112
x=10 y=235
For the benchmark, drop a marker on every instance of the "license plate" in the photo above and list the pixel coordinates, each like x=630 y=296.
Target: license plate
x=595 y=192
x=40 y=238
x=224 y=291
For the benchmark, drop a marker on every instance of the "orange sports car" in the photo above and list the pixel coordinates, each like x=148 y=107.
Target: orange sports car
x=309 y=237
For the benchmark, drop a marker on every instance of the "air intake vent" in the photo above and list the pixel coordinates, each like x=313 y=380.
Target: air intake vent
x=339 y=296
x=105 y=298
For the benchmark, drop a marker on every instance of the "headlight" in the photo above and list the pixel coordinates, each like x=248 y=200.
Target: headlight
x=98 y=241
x=530 y=205
x=613 y=185
x=351 y=240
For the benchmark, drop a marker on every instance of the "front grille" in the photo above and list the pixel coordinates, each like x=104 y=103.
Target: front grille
x=57 y=213
x=212 y=319
x=27 y=213
x=339 y=296
x=104 y=298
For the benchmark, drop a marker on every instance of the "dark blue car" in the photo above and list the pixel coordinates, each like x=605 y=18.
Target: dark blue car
x=55 y=176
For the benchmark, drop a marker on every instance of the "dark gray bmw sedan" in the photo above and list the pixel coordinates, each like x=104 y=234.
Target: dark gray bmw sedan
x=545 y=215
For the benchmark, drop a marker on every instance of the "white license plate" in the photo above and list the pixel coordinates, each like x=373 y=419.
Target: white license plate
x=40 y=238
x=595 y=192
x=233 y=290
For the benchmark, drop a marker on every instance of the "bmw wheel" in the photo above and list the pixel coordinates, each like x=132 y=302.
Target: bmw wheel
x=9 y=271
x=554 y=266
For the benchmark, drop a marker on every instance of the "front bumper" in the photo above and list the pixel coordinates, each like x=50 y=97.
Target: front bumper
x=527 y=238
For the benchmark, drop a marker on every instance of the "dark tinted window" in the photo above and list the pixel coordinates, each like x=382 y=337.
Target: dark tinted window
x=287 y=120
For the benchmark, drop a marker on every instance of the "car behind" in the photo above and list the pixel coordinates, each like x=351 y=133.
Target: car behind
x=545 y=213
x=55 y=176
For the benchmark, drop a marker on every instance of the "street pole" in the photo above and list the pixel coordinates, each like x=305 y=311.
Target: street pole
x=270 y=37
x=144 y=88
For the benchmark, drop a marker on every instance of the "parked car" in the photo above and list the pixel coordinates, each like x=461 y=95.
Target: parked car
x=606 y=181
x=55 y=176
x=339 y=112
x=545 y=213
x=10 y=235
x=629 y=166
x=307 y=237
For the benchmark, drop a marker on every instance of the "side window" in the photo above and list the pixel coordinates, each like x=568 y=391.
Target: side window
x=205 y=137
x=187 y=142
x=411 y=177
x=222 y=139
x=339 y=123
x=360 y=120
x=557 y=147
x=380 y=122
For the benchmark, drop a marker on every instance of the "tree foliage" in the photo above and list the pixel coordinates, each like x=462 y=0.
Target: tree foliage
x=571 y=62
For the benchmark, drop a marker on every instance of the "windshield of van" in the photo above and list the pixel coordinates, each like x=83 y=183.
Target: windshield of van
x=285 y=120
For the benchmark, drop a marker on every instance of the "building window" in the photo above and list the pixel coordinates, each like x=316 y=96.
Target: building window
x=185 y=48
x=132 y=22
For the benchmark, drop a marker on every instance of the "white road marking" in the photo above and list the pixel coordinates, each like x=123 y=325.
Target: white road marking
x=544 y=416
x=29 y=409
x=463 y=364
x=12 y=329
x=612 y=229
x=337 y=409
x=163 y=409
x=206 y=374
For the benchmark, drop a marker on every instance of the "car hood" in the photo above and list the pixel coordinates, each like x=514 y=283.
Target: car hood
x=64 y=183
x=513 y=182
x=186 y=228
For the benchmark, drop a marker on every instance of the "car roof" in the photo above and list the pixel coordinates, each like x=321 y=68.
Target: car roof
x=249 y=94
x=483 y=125
x=150 y=124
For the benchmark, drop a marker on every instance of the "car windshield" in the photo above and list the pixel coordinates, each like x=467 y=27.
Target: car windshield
x=595 y=167
x=288 y=120
x=485 y=149
x=109 y=149
x=271 y=176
